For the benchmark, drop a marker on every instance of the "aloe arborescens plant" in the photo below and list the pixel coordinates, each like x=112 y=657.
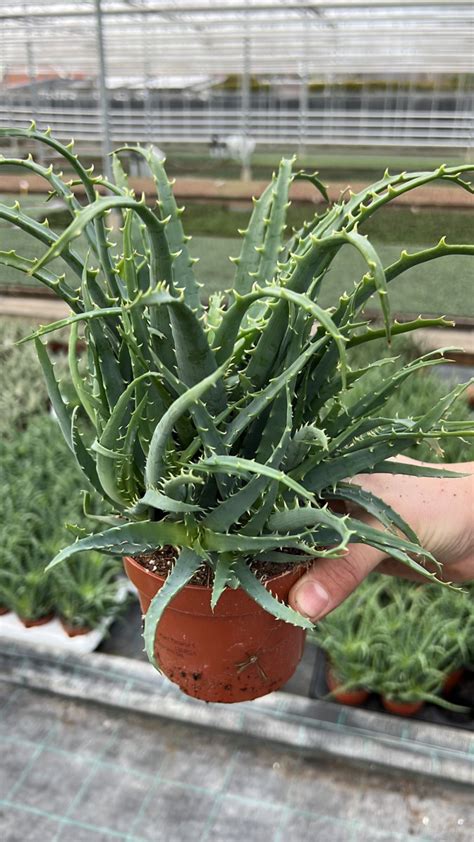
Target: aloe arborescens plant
x=225 y=432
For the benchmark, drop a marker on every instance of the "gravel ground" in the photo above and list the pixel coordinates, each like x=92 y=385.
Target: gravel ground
x=72 y=772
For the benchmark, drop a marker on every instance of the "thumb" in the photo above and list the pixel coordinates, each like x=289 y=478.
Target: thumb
x=331 y=580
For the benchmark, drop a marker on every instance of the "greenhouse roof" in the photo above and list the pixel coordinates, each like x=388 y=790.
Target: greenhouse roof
x=194 y=37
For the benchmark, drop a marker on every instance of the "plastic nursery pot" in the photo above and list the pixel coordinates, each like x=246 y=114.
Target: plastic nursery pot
x=401 y=708
x=452 y=680
x=74 y=631
x=40 y=621
x=346 y=697
x=232 y=654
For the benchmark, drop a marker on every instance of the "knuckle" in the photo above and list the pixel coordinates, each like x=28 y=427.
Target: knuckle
x=339 y=576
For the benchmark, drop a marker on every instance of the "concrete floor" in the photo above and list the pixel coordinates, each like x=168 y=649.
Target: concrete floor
x=71 y=772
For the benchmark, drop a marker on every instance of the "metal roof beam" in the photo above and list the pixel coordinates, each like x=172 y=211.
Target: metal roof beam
x=114 y=9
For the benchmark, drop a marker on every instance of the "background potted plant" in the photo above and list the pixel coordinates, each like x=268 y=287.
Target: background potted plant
x=398 y=639
x=470 y=629
x=41 y=490
x=346 y=636
x=29 y=527
x=218 y=436
x=24 y=586
x=415 y=640
x=455 y=622
x=86 y=593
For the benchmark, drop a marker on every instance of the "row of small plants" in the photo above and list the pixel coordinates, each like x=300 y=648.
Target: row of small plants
x=41 y=492
x=406 y=643
x=409 y=643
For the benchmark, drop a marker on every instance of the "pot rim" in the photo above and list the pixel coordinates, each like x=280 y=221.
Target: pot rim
x=76 y=630
x=355 y=692
x=38 y=621
x=403 y=701
x=201 y=588
x=396 y=705
x=196 y=599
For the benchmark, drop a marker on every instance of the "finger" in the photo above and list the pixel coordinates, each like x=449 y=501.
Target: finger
x=392 y=567
x=330 y=581
x=458 y=572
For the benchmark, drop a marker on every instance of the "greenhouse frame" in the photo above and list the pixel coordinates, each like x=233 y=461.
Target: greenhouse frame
x=303 y=74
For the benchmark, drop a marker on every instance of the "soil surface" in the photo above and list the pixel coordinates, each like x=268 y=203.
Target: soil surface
x=161 y=562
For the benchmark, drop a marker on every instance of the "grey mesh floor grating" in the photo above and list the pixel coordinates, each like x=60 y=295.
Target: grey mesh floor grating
x=76 y=772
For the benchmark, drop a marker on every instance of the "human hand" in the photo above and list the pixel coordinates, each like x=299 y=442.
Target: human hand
x=439 y=510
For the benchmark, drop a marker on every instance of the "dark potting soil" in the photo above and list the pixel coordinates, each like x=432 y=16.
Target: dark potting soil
x=161 y=562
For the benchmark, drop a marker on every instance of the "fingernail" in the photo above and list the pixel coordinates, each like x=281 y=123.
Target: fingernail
x=312 y=599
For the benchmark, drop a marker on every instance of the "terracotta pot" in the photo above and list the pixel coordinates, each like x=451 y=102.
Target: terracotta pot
x=4 y=610
x=401 y=708
x=73 y=631
x=41 y=621
x=452 y=680
x=346 y=697
x=232 y=654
